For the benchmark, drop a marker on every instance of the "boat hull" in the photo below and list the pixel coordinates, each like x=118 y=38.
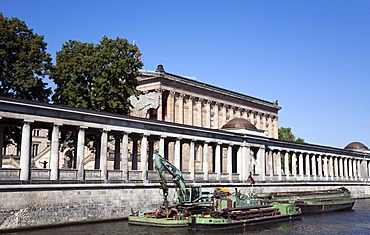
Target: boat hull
x=157 y=222
x=203 y=224
x=320 y=207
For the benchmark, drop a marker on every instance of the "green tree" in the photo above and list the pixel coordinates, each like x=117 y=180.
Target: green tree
x=23 y=62
x=285 y=133
x=100 y=77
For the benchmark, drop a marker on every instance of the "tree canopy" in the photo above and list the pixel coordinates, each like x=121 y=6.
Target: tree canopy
x=23 y=61
x=285 y=133
x=100 y=77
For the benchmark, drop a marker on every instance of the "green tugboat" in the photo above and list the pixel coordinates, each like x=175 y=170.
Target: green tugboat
x=243 y=217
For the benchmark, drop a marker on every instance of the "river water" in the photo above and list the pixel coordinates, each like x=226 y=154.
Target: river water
x=356 y=221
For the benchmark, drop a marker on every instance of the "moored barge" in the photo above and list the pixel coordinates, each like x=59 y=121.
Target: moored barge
x=244 y=217
x=320 y=206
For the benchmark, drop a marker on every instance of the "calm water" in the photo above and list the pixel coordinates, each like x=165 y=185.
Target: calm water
x=356 y=221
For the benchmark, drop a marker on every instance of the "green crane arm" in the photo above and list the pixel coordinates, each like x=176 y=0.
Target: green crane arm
x=162 y=166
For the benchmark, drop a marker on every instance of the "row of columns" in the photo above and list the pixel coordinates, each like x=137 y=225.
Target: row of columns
x=315 y=166
x=196 y=111
x=241 y=158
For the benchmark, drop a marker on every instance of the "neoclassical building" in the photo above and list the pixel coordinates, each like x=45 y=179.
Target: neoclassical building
x=173 y=98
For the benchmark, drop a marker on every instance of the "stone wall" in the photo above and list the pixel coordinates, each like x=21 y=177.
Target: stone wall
x=24 y=206
x=29 y=207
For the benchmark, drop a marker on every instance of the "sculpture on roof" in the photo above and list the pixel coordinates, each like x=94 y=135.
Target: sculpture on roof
x=143 y=103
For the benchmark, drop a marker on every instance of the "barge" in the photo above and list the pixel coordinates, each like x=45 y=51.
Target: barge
x=243 y=217
x=321 y=206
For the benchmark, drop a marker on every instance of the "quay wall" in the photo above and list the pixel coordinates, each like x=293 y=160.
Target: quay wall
x=32 y=206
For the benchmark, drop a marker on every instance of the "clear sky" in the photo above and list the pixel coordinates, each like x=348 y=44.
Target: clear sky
x=311 y=55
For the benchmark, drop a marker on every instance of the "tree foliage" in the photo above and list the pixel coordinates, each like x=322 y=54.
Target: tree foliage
x=285 y=133
x=100 y=77
x=23 y=61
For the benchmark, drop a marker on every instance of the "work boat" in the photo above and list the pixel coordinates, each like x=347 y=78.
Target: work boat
x=243 y=217
x=325 y=205
x=315 y=201
x=190 y=200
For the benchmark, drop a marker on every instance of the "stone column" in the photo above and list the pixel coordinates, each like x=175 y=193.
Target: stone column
x=278 y=165
x=216 y=116
x=218 y=162
x=331 y=169
x=223 y=113
x=270 y=164
x=252 y=117
x=314 y=169
x=239 y=162
x=177 y=154
x=354 y=168
x=160 y=106
x=207 y=121
x=117 y=146
x=192 y=160
x=275 y=127
x=258 y=120
x=161 y=146
x=144 y=157
x=341 y=173
x=180 y=115
x=170 y=115
x=104 y=155
x=25 y=160
x=345 y=166
x=286 y=165
x=54 y=153
x=336 y=168
x=230 y=162
x=198 y=118
x=248 y=170
x=350 y=170
x=300 y=166
x=270 y=126
x=326 y=173
x=231 y=112
x=124 y=156
x=319 y=166
x=294 y=165
x=81 y=153
x=1 y=144
x=205 y=161
x=191 y=111
x=262 y=163
x=308 y=167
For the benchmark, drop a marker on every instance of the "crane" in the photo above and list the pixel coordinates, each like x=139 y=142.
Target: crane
x=186 y=195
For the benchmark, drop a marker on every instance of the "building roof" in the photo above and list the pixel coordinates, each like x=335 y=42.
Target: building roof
x=356 y=146
x=161 y=72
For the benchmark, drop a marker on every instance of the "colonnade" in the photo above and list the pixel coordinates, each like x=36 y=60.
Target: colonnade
x=202 y=154
x=205 y=112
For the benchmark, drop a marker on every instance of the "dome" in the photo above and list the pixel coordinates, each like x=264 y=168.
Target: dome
x=239 y=123
x=356 y=146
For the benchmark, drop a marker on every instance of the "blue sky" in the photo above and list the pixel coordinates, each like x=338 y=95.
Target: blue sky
x=311 y=55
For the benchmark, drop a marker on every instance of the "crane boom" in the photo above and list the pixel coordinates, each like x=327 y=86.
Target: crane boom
x=162 y=166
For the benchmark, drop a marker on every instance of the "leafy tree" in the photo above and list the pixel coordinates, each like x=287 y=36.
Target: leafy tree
x=285 y=133
x=23 y=61
x=99 y=77
x=23 y=66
